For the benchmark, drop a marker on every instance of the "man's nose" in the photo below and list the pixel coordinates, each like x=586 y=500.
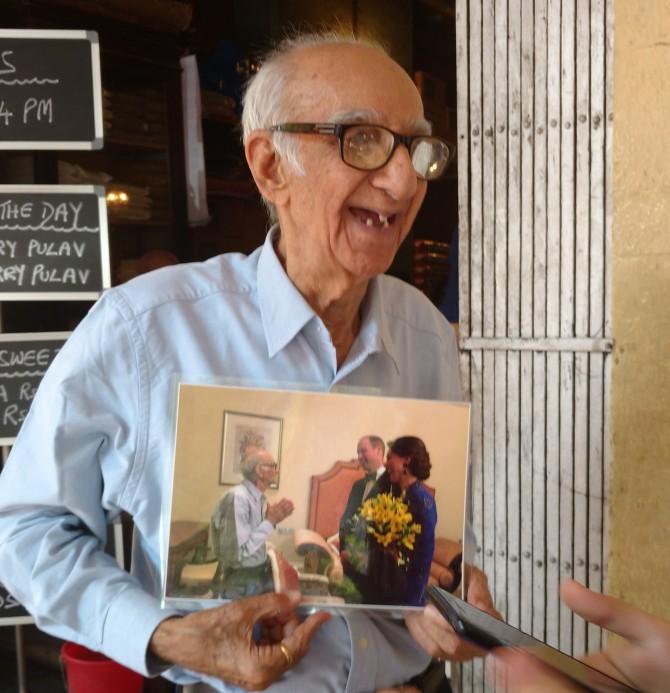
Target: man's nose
x=398 y=177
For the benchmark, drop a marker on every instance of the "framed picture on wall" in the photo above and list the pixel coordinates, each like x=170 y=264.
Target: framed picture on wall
x=242 y=432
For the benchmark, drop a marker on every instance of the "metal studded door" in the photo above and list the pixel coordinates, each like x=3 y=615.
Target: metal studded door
x=534 y=148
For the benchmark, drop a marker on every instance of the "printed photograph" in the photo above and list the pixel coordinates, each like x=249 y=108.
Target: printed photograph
x=367 y=512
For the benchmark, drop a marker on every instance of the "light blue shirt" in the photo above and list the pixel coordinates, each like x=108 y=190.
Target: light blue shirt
x=98 y=440
x=246 y=522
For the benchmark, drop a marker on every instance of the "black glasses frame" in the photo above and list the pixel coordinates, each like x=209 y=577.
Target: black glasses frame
x=339 y=129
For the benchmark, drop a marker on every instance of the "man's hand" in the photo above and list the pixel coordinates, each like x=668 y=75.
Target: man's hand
x=641 y=660
x=520 y=672
x=220 y=642
x=437 y=637
x=276 y=512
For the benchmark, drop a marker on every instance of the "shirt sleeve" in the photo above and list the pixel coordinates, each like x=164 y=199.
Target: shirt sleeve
x=64 y=482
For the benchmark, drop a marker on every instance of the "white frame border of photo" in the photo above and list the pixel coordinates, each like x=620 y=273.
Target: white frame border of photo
x=194 y=603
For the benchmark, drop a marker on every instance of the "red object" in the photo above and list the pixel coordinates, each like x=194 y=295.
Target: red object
x=91 y=672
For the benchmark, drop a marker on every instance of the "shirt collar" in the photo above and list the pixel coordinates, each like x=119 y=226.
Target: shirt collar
x=285 y=312
x=374 y=476
x=253 y=489
x=375 y=334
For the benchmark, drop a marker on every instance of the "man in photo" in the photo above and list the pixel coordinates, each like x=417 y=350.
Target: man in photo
x=353 y=531
x=241 y=526
x=370 y=453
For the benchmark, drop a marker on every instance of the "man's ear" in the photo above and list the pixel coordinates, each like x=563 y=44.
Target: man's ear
x=266 y=167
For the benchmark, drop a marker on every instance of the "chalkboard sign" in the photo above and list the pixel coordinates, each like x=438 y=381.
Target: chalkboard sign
x=50 y=95
x=24 y=358
x=11 y=612
x=53 y=242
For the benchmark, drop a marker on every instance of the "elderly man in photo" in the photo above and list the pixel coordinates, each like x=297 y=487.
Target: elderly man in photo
x=241 y=525
x=337 y=142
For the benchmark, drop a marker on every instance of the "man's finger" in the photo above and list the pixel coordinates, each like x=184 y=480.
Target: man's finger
x=438 y=638
x=603 y=662
x=415 y=626
x=298 y=640
x=478 y=593
x=432 y=615
x=608 y=612
x=271 y=605
x=281 y=656
x=520 y=671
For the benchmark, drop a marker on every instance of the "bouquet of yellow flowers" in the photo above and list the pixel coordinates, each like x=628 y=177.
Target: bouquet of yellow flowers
x=391 y=525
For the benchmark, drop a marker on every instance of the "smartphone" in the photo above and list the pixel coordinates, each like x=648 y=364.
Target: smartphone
x=487 y=632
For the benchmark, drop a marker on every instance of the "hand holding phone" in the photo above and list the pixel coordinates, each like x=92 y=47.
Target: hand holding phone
x=486 y=632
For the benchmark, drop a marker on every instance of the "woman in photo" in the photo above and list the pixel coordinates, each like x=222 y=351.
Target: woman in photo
x=398 y=573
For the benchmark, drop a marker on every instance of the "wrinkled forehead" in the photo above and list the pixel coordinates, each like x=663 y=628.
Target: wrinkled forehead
x=415 y=125
x=356 y=83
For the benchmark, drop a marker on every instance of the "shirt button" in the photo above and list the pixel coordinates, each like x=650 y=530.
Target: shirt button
x=363 y=643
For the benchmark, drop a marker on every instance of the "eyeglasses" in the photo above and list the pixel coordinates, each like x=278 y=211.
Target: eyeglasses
x=271 y=465
x=370 y=147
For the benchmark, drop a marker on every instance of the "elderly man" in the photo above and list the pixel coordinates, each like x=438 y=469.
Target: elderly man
x=339 y=148
x=241 y=526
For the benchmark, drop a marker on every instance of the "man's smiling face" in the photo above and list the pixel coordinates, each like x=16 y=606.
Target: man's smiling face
x=369 y=457
x=344 y=224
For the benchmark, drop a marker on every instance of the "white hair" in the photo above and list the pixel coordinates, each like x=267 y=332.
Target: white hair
x=264 y=101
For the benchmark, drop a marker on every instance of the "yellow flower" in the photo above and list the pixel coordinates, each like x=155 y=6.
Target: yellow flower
x=390 y=523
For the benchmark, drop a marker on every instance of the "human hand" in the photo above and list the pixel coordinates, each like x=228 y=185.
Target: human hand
x=276 y=512
x=642 y=660
x=430 y=629
x=518 y=671
x=220 y=641
x=643 y=657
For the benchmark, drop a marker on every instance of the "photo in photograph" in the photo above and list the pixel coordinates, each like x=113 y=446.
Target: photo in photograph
x=243 y=431
x=368 y=511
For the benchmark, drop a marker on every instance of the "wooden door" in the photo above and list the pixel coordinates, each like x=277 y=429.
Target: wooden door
x=535 y=190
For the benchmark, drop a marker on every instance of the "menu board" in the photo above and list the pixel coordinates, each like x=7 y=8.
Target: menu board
x=53 y=242
x=53 y=239
x=24 y=358
x=11 y=612
x=50 y=90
